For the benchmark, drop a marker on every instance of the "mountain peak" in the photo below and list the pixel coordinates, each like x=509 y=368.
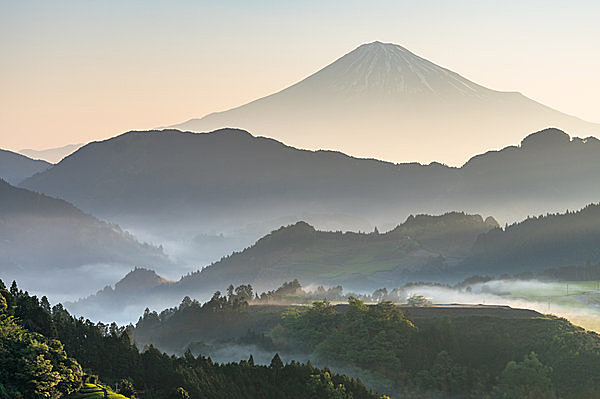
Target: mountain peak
x=383 y=101
x=389 y=69
x=381 y=46
x=139 y=279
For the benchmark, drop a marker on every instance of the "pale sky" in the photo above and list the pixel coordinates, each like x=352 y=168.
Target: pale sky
x=76 y=71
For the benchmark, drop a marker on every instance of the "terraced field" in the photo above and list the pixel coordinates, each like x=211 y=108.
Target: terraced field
x=96 y=391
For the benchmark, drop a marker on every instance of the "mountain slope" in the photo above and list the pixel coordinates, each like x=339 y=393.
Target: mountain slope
x=42 y=232
x=44 y=240
x=162 y=176
x=539 y=243
x=14 y=168
x=181 y=183
x=422 y=246
x=382 y=101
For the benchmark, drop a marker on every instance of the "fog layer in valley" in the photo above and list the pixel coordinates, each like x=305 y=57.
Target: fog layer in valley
x=581 y=305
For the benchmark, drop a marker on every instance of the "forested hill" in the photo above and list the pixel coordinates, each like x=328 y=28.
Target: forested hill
x=41 y=233
x=460 y=351
x=46 y=353
x=539 y=243
x=423 y=245
x=183 y=179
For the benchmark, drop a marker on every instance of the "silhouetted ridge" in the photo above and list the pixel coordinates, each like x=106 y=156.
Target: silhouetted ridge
x=188 y=180
x=299 y=228
x=16 y=201
x=490 y=221
x=14 y=168
x=450 y=219
x=546 y=138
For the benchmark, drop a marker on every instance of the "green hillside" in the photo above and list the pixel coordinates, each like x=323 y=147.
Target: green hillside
x=96 y=391
x=456 y=351
x=47 y=353
x=422 y=246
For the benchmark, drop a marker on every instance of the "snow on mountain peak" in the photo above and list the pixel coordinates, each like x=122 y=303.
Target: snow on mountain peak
x=392 y=69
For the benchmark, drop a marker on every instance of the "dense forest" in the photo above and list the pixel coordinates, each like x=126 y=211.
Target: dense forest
x=47 y=353
x=407 y=352
x=410 y=351
x=506 y=355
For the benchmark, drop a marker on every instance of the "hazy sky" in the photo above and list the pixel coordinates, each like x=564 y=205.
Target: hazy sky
x=75 y=71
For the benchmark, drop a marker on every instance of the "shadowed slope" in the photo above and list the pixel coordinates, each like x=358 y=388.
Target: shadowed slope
x=43 y=232
x=14 y=168
x=226 y=180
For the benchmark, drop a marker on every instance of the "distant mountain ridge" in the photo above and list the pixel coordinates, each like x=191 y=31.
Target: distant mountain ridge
x=383 y=101
x=44 y=239
x=189 y=184
x=65 y=236
x=14 y=168
x=52 y=155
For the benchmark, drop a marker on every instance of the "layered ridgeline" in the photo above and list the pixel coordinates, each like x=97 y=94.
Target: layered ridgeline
x=14 y=168
x=423 y=247
x=195 y=186
x=44 y=240
x=383 y=101
x=53 y=155
x=439 y=249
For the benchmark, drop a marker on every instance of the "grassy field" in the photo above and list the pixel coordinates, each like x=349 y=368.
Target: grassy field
x=576 y=294
x=96 y=391
x=579 y=301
